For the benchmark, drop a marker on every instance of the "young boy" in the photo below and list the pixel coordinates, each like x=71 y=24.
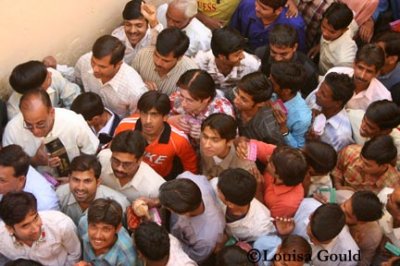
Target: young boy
x=337 y=47
x=216 y=146
x=105 y=241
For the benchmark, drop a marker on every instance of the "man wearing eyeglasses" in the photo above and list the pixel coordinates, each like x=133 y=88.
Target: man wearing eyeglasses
x=123 y=169
x=39 y=123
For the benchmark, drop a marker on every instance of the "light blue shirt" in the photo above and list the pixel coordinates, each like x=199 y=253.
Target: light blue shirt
x=298 y=121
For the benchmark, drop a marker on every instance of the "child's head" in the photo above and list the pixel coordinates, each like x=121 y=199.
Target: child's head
x=232 y=256
x=287 y=165
x=217 y=134
x=335 y=21
x=236 y=187
x=30 y=75
x=89 y=105
x=293 y=251
x=104 y=222
x=227 y=45
x=321 y=157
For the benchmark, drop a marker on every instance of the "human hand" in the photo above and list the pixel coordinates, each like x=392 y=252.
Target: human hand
x=313 y=52
x=41 y=156
x=292 y=9
x=149 y=13
x=284 y=226
x=241 y=146
x=54 y=161
x=281 y=118
x=83 y=263
x=366 y=30
x=320 y=197
x=151 y=85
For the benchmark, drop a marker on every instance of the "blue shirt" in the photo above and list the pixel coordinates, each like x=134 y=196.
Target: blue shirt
x=392 y=78
x=250 y=26
x=298 y=121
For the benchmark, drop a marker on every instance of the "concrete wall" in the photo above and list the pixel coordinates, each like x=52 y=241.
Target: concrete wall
x=32 y=29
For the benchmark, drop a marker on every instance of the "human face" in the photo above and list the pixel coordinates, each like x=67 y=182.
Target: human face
x=29 y=230
x=102 y=237
x=266 y=12
x=103 y=69
x=152 y=122
x=211 y=143
x=124 y=165
x=347 y=208
x=328 y=32
x=324 y=96
x=164 y=64
x=272 y=171
x=369 y=129
x=363 y=73
x=243 y=101
x=39 y=119
x=370 y=167
x=135 y=30
x=233 y=59
x=9 y=182
x=191 y=105
x=282 y=53
x=392 y=204
x=83 y=185
x=176 y=18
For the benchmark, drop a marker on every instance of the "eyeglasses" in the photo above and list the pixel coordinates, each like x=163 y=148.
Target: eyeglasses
x=126 y=165
x=40 y=125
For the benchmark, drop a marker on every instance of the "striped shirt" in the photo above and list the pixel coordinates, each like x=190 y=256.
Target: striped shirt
x=144 y=65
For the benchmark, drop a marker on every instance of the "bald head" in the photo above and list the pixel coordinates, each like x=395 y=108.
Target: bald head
x=34 y=97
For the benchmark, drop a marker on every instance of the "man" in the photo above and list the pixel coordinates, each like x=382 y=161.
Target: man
x=40 y=124
x=48 y=237
x=332 y=124
x=283 y=47
x=181 y=14
x=158 y=248
x=34 y=75
x=161 y=66
x=287 y=79
x=104 y=72
x=255 y=18
x=254 y=115
x=101 y=120
x=17 y=175
x=226 y=62
x=84 y=187
x=367 y=167
x=168 y=149
x=390 y=221
x=360 y=220
x=216 y=13
x=139 y=30
x=105 y=241
x=123 y=168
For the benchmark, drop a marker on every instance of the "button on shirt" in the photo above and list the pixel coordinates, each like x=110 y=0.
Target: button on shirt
x=145 y=182
x=58 y=244
x=120 y=94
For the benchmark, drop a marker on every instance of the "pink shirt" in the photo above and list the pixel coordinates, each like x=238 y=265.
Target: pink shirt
x=363 y=9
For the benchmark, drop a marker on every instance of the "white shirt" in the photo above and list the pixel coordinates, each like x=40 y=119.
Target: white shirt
x=58 y=244
x=145 y=182
x=148 y=40
x=120 y=94
x=62 y=93
x=199 y=35
x=206 y=61
x=339 y=52
x=386 y=222
x=177 y=257
x=71 y=207
x=69 y=127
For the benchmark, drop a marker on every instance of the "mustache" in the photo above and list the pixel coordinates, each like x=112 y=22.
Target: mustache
x=360 y=79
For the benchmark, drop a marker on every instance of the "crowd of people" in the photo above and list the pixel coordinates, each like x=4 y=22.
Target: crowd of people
x=210 y=132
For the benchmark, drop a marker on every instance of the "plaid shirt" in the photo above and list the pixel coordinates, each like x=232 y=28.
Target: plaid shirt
x=349 y=172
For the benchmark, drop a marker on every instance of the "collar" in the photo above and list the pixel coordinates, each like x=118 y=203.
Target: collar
x=395 y=71
x=336 y=120
x=292 y=102
x=165 y=135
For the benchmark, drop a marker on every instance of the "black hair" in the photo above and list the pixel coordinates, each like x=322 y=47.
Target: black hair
x=27 y=76
x=321 y=156
x=181 y=195
x=152 y=241
x=391 y=42
x=283 y=35
x=224 y=124
x=361 y=199
x=154 y=99
x=15 y=206
x=298 y=245
x=289 y=75
x=290 y=165
x=22 y=262
x=327 y=222
x=129 y=142
x=257 y=85
x=198 y=83
x=132 y=10
x=172 y=40
x=341 y=85
x=232 y=256
x=237 y=185
x=226 y=40
x=86 y=162
x=275 y=4
x=109 y=45
x=372 y=55
x=380 y=149
x=106 y=211
x=384 y=113
x=88 y=104
x=338 y=15
x=14 y=156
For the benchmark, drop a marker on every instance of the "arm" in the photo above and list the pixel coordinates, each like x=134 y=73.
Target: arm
x=211 y=23
x=66 y=90
x=86 y=140
x=187 y=156
x=264 y=150
x=71 y=242
x=337 y=174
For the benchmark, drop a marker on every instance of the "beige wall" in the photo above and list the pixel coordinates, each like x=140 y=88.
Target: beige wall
x=32 y=29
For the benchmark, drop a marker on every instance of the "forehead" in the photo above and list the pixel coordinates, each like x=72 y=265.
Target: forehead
x=83 y=174
x=281 y=48
x=104 y=61
x=124 y=156
x=176 y=12
x=138 y=21
x=368 y=162
x=364 y=65
x=211 y=133
x=325 y=88
x=169 y=57
x=35 y=111
x=101 y=225
x=152 y=111
x=244 y=94
x=29 y=218
x=6 y=171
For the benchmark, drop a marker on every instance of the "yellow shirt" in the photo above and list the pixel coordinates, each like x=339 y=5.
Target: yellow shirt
x=220 y=9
